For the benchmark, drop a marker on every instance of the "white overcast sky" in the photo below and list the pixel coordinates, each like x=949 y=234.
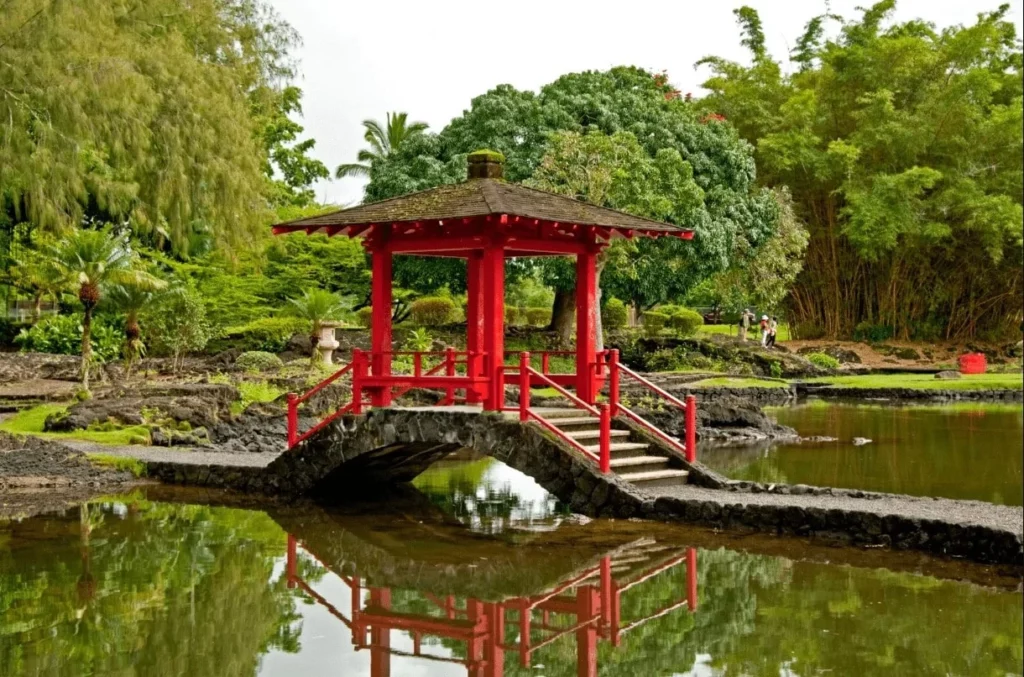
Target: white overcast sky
x=360 y=59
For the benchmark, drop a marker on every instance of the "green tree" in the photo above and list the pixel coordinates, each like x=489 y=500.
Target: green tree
x=288 y=166
x=90 y=259
x=685 y=152
x=384 y=140
x=38 y=275
x=317 y=307
x=902 y=146
x=139 y=113
x=131 y=298
x=177 y=322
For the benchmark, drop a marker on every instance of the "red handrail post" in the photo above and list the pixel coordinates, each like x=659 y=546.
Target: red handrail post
x=691 y=428
x=293 y=419
x=449 y=370
x=606 y=439
x=417 y=364
x=613 y=381
x=292 y=565
x=358 y=372
x=545 y=363
x=524 y=386
x=691 y=579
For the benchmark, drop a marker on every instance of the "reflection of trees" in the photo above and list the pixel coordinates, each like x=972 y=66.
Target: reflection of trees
x=161 y=589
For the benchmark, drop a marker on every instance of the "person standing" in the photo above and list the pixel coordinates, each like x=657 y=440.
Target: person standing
x=773 y=328
x=764 y=331
x=745 y=318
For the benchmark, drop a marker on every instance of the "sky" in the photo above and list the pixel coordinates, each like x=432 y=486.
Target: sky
x=429 y=58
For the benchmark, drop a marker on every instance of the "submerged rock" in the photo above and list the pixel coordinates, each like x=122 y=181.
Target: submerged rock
x=860 y=441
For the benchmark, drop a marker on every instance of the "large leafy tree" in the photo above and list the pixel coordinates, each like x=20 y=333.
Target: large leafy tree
x=146 y=113
x=384 y=139
x=902 y=146
x=697 y=172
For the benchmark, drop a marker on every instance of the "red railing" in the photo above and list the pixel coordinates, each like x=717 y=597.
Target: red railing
x=528 y=375
x=689 y=408
x=356 y=366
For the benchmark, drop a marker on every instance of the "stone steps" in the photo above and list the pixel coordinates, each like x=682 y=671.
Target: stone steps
x=639 y=464
x=596 y=434
x=656 y=478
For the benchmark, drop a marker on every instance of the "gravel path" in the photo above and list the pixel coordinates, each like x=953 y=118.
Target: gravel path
x=182 y=455
x=1002 y=517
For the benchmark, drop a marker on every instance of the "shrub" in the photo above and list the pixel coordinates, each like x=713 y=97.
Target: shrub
x=364 y=316
x=514 y=315
x=538 y=317
x=775 y=369
x=433 y=311
x=654 y=321
x=255 y=391
x=807 y=331
x=614 y=315
x=62 y=335
x=258 y=360
x=267 y=334
x=664 y=359
x=822 y=360
x=685 y=322
x=872 y=333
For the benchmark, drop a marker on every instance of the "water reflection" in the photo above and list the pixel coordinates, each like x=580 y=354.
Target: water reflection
x=128 y=585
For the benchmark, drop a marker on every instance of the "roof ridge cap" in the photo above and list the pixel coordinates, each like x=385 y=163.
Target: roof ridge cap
x=594 y=206
x=492 y=198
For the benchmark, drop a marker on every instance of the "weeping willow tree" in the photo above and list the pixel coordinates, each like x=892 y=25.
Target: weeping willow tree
x=146 y=113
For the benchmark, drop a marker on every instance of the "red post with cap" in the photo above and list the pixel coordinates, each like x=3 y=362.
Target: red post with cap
x=691 y=428
x=524 y=386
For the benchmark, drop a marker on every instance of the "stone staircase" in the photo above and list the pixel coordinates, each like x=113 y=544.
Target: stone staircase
x=634 y=461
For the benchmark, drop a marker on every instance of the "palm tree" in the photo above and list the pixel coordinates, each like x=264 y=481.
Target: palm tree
x=41 y=276
x=317 y=306
x=131 y=298
x=384 y=140
x=90 y=258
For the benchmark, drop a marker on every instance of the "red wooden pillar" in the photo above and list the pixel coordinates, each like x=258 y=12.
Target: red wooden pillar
x=380 y=637
x=475 y=647
x=496 y=637
x=587 y=609
x=380 y=328
x=494 y=323
x=586 y=324
x=292 y=562
x=475 y=323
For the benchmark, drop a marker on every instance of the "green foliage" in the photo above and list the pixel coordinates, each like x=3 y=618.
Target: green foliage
x=364 y=316
x=683 y=321
x=62 y=335
x=269 y=334
x=614 y=314
x=384 y=139
x=252 y=392
x=257 y=360
x=537 y=317
x=142 y=114
x=514 y=315
x=822 y=360
x=873 y=333
x=901 y=144
x=122 y=463
x=654 y=322
x=433 y=311
x=177 y=324
x=775 y=369
x=317 y=307
x=808 y=331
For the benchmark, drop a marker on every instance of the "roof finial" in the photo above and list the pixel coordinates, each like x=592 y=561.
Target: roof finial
x=485 y=164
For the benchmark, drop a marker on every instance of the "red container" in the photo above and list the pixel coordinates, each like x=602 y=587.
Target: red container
x=973 y=363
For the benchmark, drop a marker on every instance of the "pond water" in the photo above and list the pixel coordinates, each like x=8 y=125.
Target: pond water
x=967 y=451
x=479 y=572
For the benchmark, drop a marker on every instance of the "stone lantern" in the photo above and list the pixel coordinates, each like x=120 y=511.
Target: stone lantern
x=327 y=343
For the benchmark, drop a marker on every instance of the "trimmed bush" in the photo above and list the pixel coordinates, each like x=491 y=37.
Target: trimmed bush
x=364 y=316
x=685 y=322
x=614 y=315
x=514 y=316
x=538 y=317
x=822 y=360
x=654 y=322
x=257 y=360
x=433 y=311
x=267 y=334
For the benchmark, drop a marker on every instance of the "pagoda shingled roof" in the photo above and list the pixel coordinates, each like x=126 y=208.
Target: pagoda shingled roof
x=479 y=198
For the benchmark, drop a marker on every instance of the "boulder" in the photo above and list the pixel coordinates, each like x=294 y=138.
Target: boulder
x=948 y=374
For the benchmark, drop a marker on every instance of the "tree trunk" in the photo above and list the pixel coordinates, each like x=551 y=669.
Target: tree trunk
x=562 y=313
x=37 y=307
x=86 y=346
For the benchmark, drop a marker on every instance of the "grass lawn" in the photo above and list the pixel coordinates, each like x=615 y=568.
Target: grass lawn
x=132 y=465
x=738 y=382
x=730 y=330
x=926 y=381
x=30 y=422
